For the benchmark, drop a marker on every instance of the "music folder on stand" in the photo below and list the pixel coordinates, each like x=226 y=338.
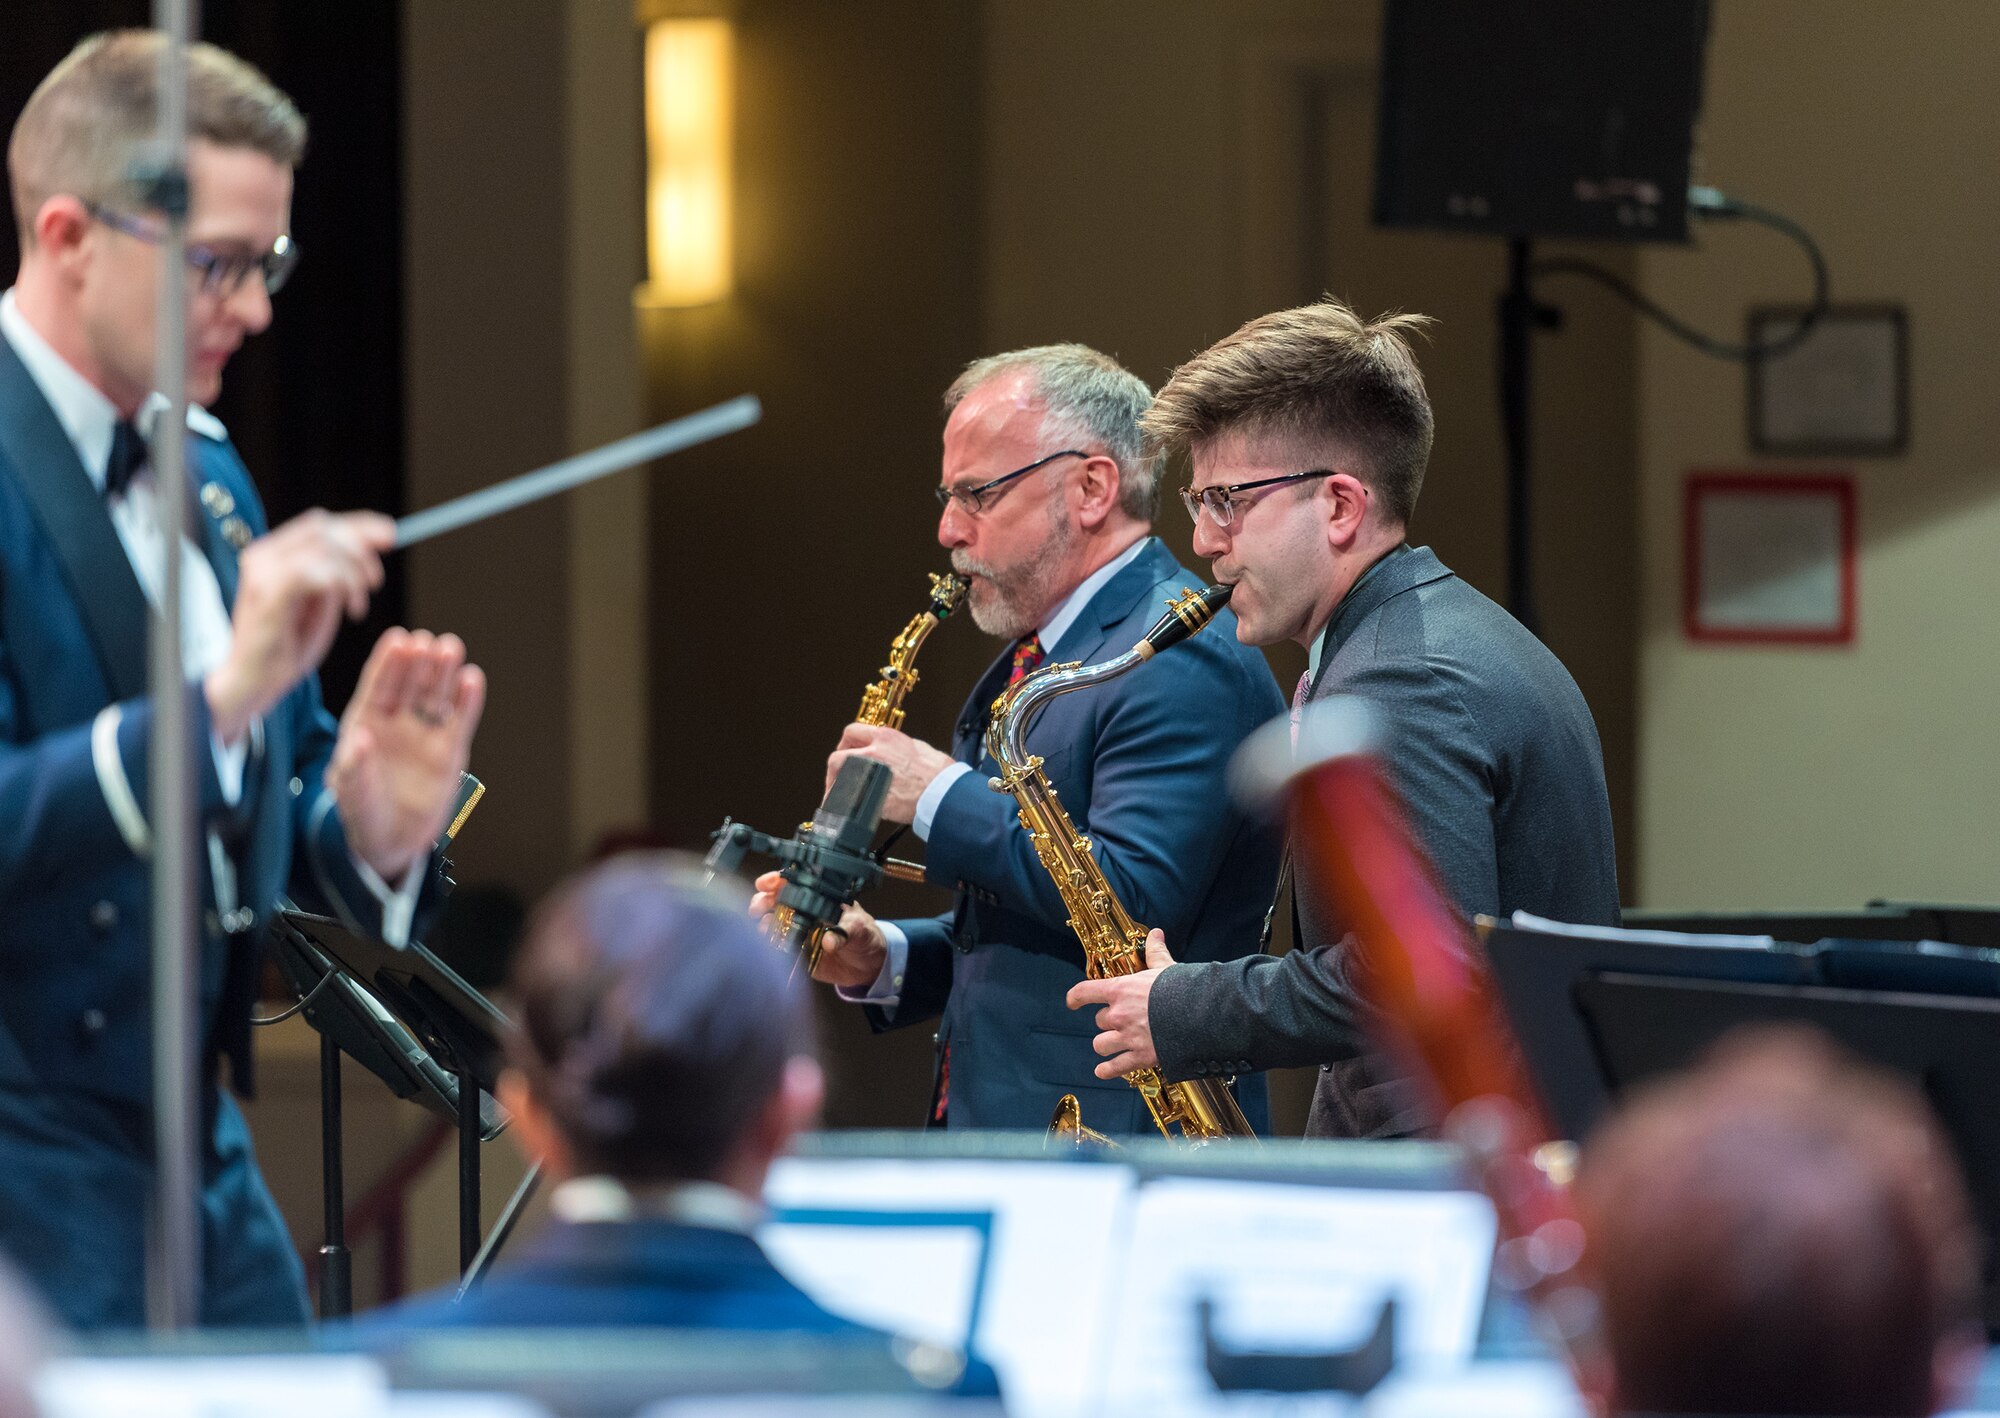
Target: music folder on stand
x=413 y=1022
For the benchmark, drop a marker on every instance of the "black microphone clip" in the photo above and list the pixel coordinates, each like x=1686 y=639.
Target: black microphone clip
x=827 y=864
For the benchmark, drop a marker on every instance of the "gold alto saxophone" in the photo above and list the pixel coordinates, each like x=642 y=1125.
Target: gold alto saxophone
x=882 y=701
x=1113 y=943
x=882 y=705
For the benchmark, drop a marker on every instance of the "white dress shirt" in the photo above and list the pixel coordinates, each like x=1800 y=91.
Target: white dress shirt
x=596 y=1200
x=90 y=419
x=888 y=986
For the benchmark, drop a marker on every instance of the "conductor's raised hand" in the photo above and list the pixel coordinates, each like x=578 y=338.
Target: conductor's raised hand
x=850 y=955
x=912 y=764
x=403 y=745
x=293 y=585
x=1124 y=1017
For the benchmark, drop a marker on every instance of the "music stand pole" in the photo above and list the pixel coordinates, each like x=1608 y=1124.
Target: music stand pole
x=173 y=1271
x=468 y=1169
x=510 y=1215
x=336 y=1262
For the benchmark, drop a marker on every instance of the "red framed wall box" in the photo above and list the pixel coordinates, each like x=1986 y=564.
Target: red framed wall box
x=1769 y=558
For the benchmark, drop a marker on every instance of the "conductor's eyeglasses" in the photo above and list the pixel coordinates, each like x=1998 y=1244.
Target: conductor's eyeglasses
x=222 y=270
x=1222 y=501
x=974 y=500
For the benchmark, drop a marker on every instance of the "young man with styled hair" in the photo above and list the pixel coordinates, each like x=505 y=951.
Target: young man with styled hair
x=1308 y=432
x=344 y=817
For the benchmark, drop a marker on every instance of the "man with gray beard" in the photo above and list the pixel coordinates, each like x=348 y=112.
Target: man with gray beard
x=1048 y=502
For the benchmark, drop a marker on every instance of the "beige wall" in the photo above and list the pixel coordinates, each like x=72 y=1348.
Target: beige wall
x=1823 y=777
x=523 y=152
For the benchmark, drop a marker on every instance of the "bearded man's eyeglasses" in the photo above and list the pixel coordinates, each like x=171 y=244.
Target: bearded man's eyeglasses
x=973 y=500
x=222 y=270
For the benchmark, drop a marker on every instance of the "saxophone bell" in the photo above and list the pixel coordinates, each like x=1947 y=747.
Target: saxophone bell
x=1066 y=1127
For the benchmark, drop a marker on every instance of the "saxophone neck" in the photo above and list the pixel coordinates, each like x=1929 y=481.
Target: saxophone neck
x=882 y=701
x=1186 y=614
x=1019 y=703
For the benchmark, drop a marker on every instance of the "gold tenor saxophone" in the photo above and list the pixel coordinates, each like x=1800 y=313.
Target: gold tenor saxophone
x=1113 y=943
x=882 y=705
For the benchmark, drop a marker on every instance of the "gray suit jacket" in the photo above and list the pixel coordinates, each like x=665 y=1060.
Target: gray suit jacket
x=1497 y=760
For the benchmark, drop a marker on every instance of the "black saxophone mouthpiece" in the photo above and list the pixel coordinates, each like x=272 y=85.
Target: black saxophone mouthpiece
x=947 y=593
x=1186 y=613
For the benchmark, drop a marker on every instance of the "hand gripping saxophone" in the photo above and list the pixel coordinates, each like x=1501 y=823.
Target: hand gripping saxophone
x=882 y=706
x=1113 y=943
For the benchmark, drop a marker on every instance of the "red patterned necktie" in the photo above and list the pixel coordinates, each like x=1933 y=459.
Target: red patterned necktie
x=1027 y=659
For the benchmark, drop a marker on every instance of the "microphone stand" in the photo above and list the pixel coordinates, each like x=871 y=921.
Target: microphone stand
x=173 y=1271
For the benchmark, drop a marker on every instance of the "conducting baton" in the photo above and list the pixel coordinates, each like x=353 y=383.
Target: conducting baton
x=738 y=413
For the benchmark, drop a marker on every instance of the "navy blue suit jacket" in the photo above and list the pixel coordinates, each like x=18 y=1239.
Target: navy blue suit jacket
x=1140 y=763
x=581 y=1275
x=630 y=1274
x=74 y=895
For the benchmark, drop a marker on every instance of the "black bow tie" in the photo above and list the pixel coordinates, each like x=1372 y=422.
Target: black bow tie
x=128 y=455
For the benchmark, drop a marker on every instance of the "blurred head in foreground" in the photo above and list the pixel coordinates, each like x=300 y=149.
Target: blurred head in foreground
x=1781 y=1230
x=24 y=1343
x=662 y=1039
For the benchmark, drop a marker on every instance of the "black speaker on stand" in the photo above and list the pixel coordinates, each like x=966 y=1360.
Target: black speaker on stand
x=1536 y=118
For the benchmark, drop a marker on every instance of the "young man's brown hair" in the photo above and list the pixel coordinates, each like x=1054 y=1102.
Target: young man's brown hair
x=1317 y=376
x=89 y=121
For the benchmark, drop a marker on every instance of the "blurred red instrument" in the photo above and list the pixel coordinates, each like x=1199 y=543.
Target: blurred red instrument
x=1418 y=964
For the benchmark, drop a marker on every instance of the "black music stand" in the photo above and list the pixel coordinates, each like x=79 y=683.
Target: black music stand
x=1959 y=924
x=1873 y=922
x=1536 y=972
x=412 y=1021
x=1879 y=920
x=1597 y=1014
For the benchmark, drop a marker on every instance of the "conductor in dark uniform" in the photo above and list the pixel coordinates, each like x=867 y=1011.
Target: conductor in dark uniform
x=340 y=816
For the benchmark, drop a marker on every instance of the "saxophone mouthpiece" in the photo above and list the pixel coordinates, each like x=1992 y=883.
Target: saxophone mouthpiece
x=1186 y=613
x=947 y=592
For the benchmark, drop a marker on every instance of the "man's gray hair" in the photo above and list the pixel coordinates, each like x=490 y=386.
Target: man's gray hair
x=1090 y=401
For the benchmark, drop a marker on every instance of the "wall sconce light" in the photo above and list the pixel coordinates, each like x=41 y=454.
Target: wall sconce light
x=690 y=98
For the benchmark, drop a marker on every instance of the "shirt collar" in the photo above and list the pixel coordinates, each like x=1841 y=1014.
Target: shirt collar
x=710 y=1205
x=80 y=406
x=1057 y=625
x=86 y=415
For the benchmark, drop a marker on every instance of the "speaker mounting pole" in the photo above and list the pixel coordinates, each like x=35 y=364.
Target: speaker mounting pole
x=1520 y=316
